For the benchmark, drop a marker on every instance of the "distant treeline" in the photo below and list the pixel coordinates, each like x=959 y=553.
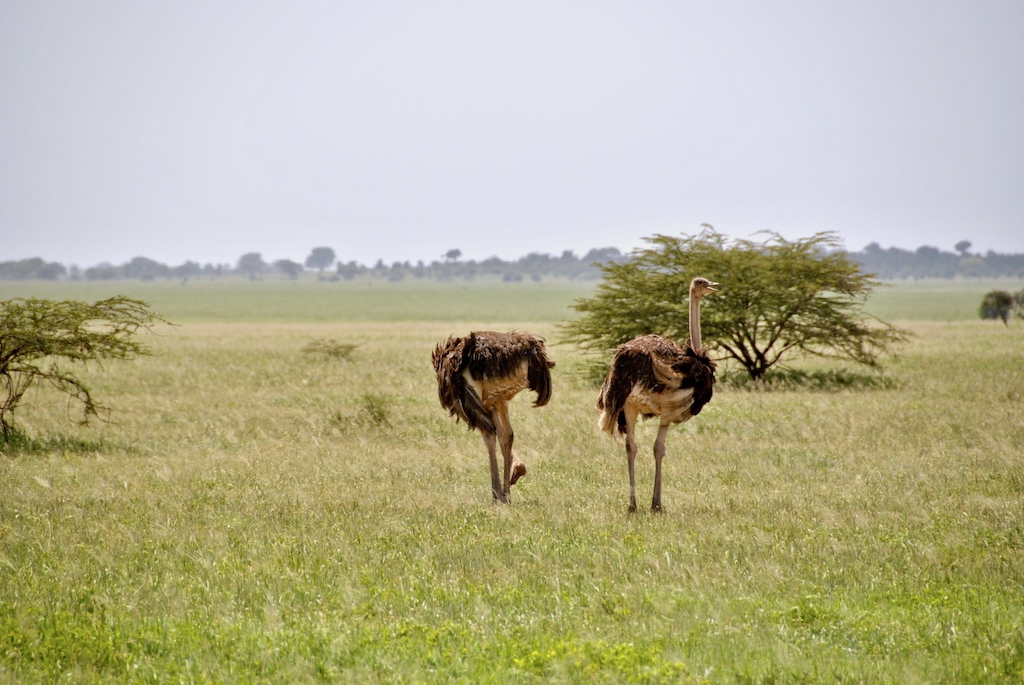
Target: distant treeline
x=321 y=262
x=930 y=262
x=534 y=266
x=889 y=264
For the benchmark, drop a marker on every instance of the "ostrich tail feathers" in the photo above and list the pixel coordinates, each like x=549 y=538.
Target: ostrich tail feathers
x=606 y=422
x=538 y=374
x=611 y=400
x=454 y=393
x=701 y=376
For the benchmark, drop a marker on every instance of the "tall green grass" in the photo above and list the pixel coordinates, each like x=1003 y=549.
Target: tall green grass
x=244 y=517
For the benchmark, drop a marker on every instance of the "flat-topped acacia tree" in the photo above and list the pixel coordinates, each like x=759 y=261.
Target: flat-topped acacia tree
x=777 y=296
x=40 y=339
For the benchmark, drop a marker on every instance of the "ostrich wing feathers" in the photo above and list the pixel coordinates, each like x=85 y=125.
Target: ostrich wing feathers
x=501 y=355
x=653 y=364
x=487 y=355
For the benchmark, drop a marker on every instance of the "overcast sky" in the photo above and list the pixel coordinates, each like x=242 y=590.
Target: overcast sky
x=399 y=130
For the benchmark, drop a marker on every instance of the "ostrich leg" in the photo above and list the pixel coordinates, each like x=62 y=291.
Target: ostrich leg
x=499 y=495
x=659 y=454
x=518 y=467
x=505 y=438
x=631 y=455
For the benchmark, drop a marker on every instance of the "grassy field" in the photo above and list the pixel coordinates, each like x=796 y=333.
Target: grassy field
x=252 y=513
x=228 y=300
x=323 y=301
x=935 y=300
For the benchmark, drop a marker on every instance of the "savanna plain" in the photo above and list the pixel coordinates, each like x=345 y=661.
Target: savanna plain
x=253 y=512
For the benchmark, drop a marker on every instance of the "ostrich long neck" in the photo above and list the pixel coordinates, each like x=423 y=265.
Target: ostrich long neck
x=694 y=321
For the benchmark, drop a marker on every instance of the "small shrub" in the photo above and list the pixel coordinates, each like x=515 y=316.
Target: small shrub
x=339 y=421
x=593 y=372
x=20 y=443
x=375 y=410
x=330 y=349
x=832 y=380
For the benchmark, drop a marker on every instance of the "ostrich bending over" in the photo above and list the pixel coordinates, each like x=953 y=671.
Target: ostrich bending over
x=477 y=376
x=653 y=376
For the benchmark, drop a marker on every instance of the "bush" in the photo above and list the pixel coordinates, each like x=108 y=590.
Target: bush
x=832 y=380
x=376 y=409
x=999 y=304
x=329 y=348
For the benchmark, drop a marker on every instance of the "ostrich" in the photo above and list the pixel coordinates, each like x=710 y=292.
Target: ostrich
x=653 y=376
x=477 y=376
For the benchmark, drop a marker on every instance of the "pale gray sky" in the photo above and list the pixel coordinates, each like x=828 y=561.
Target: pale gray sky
x=203 y=130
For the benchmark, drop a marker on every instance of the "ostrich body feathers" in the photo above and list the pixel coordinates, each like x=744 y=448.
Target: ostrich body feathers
x=476 y=372
x=658 y=377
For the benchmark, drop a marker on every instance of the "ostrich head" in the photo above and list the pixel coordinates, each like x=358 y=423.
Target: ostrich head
x=699 y=287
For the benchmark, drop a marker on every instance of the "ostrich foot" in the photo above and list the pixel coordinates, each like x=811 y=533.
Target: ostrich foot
x=656 y=508
x=518 y=471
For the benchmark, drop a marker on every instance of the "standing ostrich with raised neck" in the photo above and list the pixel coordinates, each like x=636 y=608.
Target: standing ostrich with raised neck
x=653 y=376
x=477 y=377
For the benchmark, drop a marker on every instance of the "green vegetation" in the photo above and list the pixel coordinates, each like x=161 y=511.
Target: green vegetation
x=776 y=298
x=1000 y=304
x=934 y=300
x=997 y=304
x=891 y=263
x=37 y=335
x=320 y=258
x=259 y=514
x=485 y=301
x=931 y=262
x=330 y=349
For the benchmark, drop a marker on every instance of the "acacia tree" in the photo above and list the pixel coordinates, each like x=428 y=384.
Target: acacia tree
x=320 y=258
x=776 y=297
x=38 y=336
x=288 y=267
x=251 y=263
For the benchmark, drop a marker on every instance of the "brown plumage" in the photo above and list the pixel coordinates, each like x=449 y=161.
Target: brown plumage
x=477 y=377
x=653 y=376
x=653 y=366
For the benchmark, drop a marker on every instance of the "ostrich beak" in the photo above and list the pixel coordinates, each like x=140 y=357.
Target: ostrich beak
x=712 y=286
